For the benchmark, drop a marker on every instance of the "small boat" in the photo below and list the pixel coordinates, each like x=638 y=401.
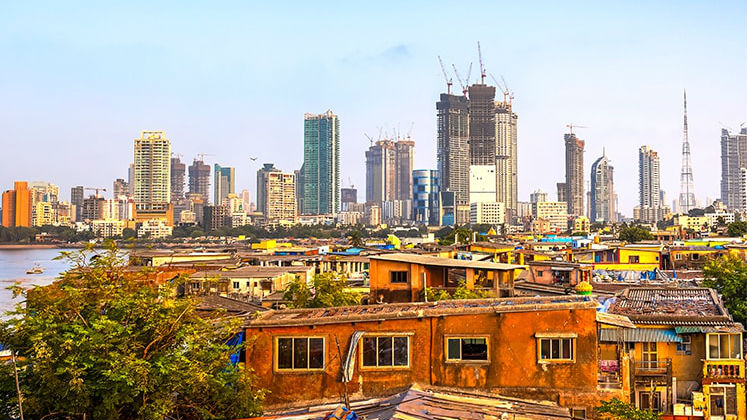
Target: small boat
x=36 y=269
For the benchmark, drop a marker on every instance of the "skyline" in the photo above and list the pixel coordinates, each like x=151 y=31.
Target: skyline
x=144 y=68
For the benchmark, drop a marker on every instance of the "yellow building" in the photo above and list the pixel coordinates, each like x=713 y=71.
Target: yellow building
x=685 y=354
x=44 y=214
x=581 y=224
x=697 y=224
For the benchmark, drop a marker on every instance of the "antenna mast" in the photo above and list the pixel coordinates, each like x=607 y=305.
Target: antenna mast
x=687 y=185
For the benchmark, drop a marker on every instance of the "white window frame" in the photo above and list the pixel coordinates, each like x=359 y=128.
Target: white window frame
x=731 y=336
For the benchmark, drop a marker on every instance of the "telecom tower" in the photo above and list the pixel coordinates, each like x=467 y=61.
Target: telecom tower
x=687 y=187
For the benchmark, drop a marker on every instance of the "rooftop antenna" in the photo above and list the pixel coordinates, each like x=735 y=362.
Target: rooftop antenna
x=446 y=76
x=482 y=67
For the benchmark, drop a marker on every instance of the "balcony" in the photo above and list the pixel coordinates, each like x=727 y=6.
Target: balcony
x=723 y=369
x=609 y=375
x=661 y=368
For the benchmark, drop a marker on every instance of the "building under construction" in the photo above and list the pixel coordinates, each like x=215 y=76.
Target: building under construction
x=506 y=162
x=199 y=179
x=453 y=146
x=574 y=174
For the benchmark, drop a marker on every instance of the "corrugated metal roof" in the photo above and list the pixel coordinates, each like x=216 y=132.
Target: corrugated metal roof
x=639 y=335
x=712 y=329
x=613 y=319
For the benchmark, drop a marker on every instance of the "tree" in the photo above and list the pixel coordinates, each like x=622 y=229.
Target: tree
x=326 y=290
x=106 y=343
x=615 y=409
x=728 y=275
x=736 y=229
x=634 y=234
x=128 y=233
x=356 y=238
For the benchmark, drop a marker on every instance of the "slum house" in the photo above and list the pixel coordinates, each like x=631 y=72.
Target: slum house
x=542 y=348
x=686 y=352
x=559 y=272
x=247 y=283
x=621 y=258
x=403 y=277
x=691 y=257
x=160 y=257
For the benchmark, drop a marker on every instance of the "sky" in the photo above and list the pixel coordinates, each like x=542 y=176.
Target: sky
x=80 y=80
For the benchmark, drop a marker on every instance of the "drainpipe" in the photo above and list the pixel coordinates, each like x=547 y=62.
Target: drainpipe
x=425 y=286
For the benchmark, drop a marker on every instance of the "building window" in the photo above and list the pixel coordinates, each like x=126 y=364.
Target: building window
x=398 y=276
x=235 y=285
x=300 y=353
x=724 y=346
x=696 y=256
x=684 y=348
x=467 y=349
x=723 y=401
x=387 y=351
x=556 y=349
x=649 y=356
x=540 y=273
x=634 y=259
x=578 y=413
x=677 y=257
x=648 y=400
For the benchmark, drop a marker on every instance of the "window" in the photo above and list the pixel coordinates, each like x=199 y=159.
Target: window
x=723 y=400
x=388 y=351
x=467 y=349
x=560 y=349
x=696 y=256
x=235 y=285
x=300 y=353
x=648 y=400
x=540 y=273
x=724 y=346
x=677 y=257
x=398 y=276
x=634 y=259
x=578 y=413
x=684 y=347
x=650 y=357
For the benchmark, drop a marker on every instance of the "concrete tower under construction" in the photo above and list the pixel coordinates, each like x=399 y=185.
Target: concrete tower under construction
x=574 y=174
x=452 y=150
x=506 y=170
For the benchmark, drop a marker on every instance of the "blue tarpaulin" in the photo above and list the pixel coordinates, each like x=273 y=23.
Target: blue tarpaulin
x=234 y=341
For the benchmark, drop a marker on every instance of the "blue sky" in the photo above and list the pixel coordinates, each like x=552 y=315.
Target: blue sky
x=79 y=81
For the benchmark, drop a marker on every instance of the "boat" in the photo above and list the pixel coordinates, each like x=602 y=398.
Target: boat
x=36 y=269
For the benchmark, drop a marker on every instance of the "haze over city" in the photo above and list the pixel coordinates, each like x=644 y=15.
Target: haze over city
x=81 y=82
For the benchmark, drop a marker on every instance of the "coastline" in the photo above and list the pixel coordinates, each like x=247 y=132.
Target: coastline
x=35 y=246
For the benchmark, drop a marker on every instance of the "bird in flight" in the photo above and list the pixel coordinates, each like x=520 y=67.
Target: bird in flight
x=252 y=158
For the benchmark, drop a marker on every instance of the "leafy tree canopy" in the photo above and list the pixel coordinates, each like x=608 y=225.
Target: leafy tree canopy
x=728 y=275
x=103 y=342
x=615 y=409
x=634 y=234
x=326 y=290
x=736 y=229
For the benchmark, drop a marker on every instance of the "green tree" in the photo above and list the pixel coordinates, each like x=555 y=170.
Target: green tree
x=634 y=234
x=106 y=343
x=355 y=237
x=326 y=290
x=728 y=275
x=128 y=233
x=736 y=229
x=615 y=409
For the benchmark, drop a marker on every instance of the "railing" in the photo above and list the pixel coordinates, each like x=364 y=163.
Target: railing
x=657 y=368
x=722 y=369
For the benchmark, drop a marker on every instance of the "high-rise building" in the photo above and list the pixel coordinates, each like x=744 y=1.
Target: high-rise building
x=216 y=217
x=560 y=191
x=482 y=147
x=743 y=188
x=77 y=194
x=555 y=213
x=650 y=206
x=130 y=180
x=687 y=185
x=152 y=173
x=574 y=174
x=348 y=196
x=262 y=176
x=44 y=191
x=490 y=213
x=482 y=181
x=120 y=188
x=381 y=160
x=199 y=179
x=280 y=197
x=225 y=182
x=405 y=156
x=538 y=196
x=733 y=159
x=425 y=195
x=506 y=157
x=602 y=194
x=299 y=188
x=17 y=206
x=178 y=171
x=93 y=208
x=321 y=164
x=452 y=148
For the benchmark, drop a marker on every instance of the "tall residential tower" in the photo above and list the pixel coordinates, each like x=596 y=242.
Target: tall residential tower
x=321 y=164
x=574 y=174
x=733 y=160
x=602 y=203
x=152 y=192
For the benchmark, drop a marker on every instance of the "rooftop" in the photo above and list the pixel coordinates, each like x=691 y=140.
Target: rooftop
x=343 y=314
x=671 y=306
x=445 y=262
x=252 y=271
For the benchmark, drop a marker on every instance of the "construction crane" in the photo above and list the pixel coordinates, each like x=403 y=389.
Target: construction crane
x=503 y=90
x=461 y=82
x=572 y=125
x=482 y=67
x=178 y=155
x=95 y=189
x=409 y=132
x=202 y=156
x=446 y=77
x=370 y=139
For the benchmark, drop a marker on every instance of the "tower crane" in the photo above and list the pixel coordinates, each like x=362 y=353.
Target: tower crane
x=572 y=125
x=202 y=156
x=370 y=139
x=459 y=78
x=482 y=67
x=446 y=77
x=95 y=189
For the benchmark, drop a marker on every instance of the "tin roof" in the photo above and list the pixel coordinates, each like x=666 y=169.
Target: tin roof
x=670 y=306
x=639 y=335
x=444 y=262
x=344 y=314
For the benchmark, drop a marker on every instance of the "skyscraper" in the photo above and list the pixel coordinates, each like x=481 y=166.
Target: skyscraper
x=178 y=171
x=77 y=195
x=280 y=197
x=152 y=174
x=425 y=196
x=321 y=160
x=574 y=174
x=602 y=204
x=650 y=206
x=199 y=179
x=120 y=188
x=348 y=196
x=17 y=206
x=733 y=159
x=224 y=182
x=381 y=160
x=687 y=185
x=262 y=176
x=482 y=147
x=506 y=158
x=452 y=148
x=403 y=172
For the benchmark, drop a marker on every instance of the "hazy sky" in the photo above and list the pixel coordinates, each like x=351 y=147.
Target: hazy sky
x=79 y=81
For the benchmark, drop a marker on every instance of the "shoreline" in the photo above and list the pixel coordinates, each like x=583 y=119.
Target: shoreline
x=35 y=246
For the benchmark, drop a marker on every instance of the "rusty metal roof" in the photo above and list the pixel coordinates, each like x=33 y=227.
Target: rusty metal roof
x=343 y=314
x=444 y=262
x=671 y=306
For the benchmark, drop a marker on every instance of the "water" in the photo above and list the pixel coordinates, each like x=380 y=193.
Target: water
x=13 y=266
